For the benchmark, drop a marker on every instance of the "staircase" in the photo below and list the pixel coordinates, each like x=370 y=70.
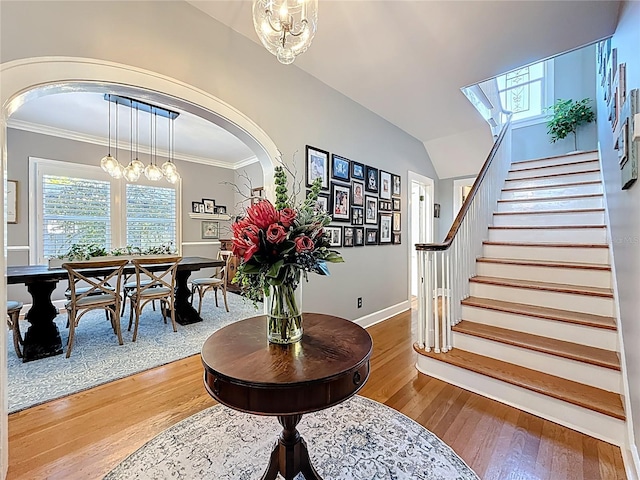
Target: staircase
x=538 y=330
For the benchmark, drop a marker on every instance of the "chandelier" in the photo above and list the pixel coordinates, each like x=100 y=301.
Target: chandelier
x=285 y=27
x=135 y=168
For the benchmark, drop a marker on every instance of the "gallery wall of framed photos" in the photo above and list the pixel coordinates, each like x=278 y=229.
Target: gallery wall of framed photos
x=365 y=200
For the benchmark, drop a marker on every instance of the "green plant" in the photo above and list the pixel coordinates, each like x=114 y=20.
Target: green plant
x=567 y=116
x=85 y=251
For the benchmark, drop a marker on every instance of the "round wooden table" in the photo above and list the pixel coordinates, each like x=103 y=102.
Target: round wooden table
x=243 y=371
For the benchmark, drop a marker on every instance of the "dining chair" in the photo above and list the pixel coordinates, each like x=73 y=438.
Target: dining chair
x=217 y=281
x=89 y=283
x=130 y=287
x=13 y=321
x=161 y=285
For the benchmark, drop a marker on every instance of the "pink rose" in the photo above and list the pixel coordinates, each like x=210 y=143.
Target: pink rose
x=263 y=214
x=287 y=216
x=276 y=233
x=304 y=244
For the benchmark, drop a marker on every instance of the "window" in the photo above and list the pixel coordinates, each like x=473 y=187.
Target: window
x=527 y=91
x=77 y=203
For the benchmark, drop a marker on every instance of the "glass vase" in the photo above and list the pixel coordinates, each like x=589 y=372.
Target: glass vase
x=283 y=308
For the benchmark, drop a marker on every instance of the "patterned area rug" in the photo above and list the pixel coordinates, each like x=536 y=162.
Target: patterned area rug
x=358 y=440
x=97 y=358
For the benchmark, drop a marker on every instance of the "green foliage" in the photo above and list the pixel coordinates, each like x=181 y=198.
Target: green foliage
x=282 y=197
x=567 y=116
x=85 y=251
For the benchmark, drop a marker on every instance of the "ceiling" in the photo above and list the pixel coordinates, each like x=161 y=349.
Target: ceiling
x=403 y=60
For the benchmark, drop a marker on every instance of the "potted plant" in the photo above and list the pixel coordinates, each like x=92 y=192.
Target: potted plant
x=89 y=251
x=567 y=116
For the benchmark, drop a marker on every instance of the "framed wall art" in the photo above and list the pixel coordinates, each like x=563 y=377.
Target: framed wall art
x=357 y=189
x=210 y=230
x=371 y=236
x=357 y=215
x=385 y=228
x=357 y=170
x=358 y=238
x=348 y=237
x=385 y=185
x=371 y=181
x=334 y=235
x=12 y=201
x=340 y=168
x=396 y=190
x=209 y=205
x=340 y=202
x=371 y=210
x=317 y=166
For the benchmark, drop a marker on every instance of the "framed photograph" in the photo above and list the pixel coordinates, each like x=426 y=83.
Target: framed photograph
x=357 y=170
x=622 y=83
x=397 y=222
x=384 y=206
x=385 y=228
x=209 y=205
x=12 y=201
x=371 y=237
x=396 y=238
x=340 y=202
x=371 y=181
x=358 y=239
x=396 y=188
x=210 y=229
x=322 y=202
x=371 y=210
x=347 y=241
x=436 y=210
x=621 y=144
x=317 y=166
x=396 y=204
x=385 y=185
x=257 y=194
x=340 y=168
x=220 y=210
x=195 y=207
x=357 y=215
x=201 y=207
x=357 y=189
x=334 y=235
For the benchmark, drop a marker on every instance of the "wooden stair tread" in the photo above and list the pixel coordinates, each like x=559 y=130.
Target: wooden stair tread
x=547 y=212
x=568 y=164
x=542 y=244
x=536 y=263
x=563 y=155
x=559 y=185
x=552 y=346
x=546 y=286
x=592 y=398
x=543 y=227
x=558 y=198
x=586 y=319
x=552 y=175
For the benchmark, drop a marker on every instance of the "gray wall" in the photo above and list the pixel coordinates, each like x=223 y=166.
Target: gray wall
x=245 y=179
x=624 y=209
x=177 y=40
x=573 y=74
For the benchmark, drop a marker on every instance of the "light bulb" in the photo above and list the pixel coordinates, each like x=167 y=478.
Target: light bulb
x=172 y=177
x=117 y=172
x=152 y=172
x=169 y=168
x=108 y=163
x=138 y=166
x=131 y=174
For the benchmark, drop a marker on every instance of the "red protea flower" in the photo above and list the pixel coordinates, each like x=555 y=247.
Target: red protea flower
x=287 y=216
x=304 y=244
x=246 y=239
x=276 y=233
x=263 y=214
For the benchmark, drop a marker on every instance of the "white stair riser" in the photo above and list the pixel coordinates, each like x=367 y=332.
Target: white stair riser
x=569 y=276
x=548 y=218
x=580 y=372
x=591 y=423
x=553 y=170
x=557 y=191
x=569 y=332
x=544 y=298
x=550 y=181
x=598 y=256
x=558 y=235
x=546 y=162
x=551 y=204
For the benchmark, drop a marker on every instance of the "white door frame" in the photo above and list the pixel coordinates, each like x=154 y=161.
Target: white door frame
x=458 y=185
x=427 y=216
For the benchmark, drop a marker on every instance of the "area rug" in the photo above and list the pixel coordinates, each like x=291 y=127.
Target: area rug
x=359 y=439
x=97 y=358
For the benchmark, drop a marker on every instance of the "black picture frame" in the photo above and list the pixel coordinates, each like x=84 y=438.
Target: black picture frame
x=385 y=185
x=371 y=179
x=357 y=193
x=221 y=209
x=357 y=170
x=358 y=238
x=371 y=210
x=317 y=165
x=357 y=215
x=384 y=206
x=209 y=205
x=396 y=238
x=397 y=204
x=201 y=206
x=385 y=229
x=334 y=235
x=322 y=201
x=340 y=168
x=396 y=185
x=340 y=202
x=195 y=207
x=348 y=236
x=371 y=236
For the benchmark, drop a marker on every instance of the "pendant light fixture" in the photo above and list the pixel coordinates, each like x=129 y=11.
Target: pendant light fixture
x=169 y=168
x=108 y=163
x=131 y=173
x=152 y=172
x=118 y=170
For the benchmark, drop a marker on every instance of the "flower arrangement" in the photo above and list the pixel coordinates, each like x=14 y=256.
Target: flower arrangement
x=567 y=116
x=278 y=244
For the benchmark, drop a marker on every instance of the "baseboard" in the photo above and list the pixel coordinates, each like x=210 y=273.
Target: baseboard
x=384 y=314
x=631 y=462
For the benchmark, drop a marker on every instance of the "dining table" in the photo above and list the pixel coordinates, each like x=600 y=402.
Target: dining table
x=42 y=338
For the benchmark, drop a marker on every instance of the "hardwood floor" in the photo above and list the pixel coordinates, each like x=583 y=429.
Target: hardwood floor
x=86 y=434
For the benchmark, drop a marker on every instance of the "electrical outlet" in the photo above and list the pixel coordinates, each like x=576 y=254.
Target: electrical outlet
x=359 y=302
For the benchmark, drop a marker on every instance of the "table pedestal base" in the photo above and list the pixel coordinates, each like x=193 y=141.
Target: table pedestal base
x=42 y=338
x=185 y=313
x=290 y=455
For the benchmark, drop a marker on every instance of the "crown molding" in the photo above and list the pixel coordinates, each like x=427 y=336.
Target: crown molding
x=96 y=140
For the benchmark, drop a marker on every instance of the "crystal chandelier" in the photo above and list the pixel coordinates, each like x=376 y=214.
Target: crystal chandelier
x=135 y=168
x=285 y=27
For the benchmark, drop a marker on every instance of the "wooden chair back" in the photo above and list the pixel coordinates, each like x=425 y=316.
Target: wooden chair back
x=97 y=275
x=150 y=274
